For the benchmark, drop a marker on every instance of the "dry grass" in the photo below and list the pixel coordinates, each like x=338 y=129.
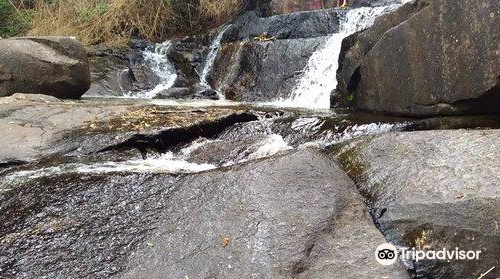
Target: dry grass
x=115 y=21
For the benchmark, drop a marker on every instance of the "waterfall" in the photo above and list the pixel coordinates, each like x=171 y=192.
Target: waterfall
x=319 y=79
x=209 y=62
x=156 y=59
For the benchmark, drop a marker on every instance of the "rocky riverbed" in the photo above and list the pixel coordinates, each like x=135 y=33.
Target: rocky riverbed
x=218 y=155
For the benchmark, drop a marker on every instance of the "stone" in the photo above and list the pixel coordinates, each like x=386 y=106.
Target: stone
x=35 y=127
x=56 y=66
x=293 y=216
x=433 y=190
x=429 y=61
x=174 y=93
x=291 y=26
x=262 y=71
x=116 y=72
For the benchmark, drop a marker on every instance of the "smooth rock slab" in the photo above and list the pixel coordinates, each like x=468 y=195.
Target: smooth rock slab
x=434 y=190
x=434 y=58
x=292 y=216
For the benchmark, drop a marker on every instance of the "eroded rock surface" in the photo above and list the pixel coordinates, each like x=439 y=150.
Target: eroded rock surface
x=293 y=216
x=434 y=190
x=36 y=126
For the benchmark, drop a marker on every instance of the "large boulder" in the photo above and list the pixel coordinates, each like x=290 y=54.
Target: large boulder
x=259 y=71
x=119 y=72
x=55 y=66
x=425 y=59
x=433 y=190
x=293 y=216
x=297 y=215
x=290 y=26
x=356 y=46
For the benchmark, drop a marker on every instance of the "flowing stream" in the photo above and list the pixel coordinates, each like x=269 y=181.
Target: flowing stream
x=252 y=140
x=156 y=59
x=210 y=60
x=319 y=79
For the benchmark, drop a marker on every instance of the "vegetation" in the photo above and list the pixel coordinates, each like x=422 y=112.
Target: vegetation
x=114 y=21
x=13 y=21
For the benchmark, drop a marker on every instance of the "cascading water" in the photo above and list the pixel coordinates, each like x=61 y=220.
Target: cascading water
x=156 y=59
x=319 y=78
x=209 y=62
x=249 y=141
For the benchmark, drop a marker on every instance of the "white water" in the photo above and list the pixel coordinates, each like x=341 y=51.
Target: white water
x=210 y=60
x=319 y=78
x=270 y=146
x=156 y=59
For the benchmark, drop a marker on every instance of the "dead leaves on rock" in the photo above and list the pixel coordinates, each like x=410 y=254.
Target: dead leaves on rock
x=143 y=119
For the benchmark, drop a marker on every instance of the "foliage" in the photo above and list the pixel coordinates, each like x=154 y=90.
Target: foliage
x=115 y=21
x=351 y=97
x=12 y=20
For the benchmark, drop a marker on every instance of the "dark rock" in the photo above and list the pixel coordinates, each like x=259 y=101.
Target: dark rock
x=206 y=93
x=256 y=220
x=188 y=55
x=77 y=225
x=433 y=190
x=424 y=60
x=357 y=45
x=262 y=71
x=294 y=216
x=174 y=93
x=195 y=92
x=111 y=76
x=56 y=66
x=118 y=72
x=291 y=26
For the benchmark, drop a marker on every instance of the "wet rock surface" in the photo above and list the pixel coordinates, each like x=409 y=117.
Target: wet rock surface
x=77 y=225
x=357 y=45
x=116 y=72
x=38 y=126
x=254 y=219
x=258 y=71
x=433 y=63
x=56 y=66
x=290 y=216
x=433 y=190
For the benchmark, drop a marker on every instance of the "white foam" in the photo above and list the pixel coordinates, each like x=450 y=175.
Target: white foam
x=165 y=163
x=270 y=146
x=157 y=60
x=314 y=88
x=210 y=60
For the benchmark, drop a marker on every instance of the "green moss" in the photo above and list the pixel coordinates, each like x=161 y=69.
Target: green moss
x=351 y=97
x=348 y=160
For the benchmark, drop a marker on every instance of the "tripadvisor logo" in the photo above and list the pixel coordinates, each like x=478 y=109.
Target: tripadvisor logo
x=387 y=254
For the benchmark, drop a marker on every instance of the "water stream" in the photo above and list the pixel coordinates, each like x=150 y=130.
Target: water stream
x=242 y=142
x=156 y=59
x=210 y=60
x=319 y=79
